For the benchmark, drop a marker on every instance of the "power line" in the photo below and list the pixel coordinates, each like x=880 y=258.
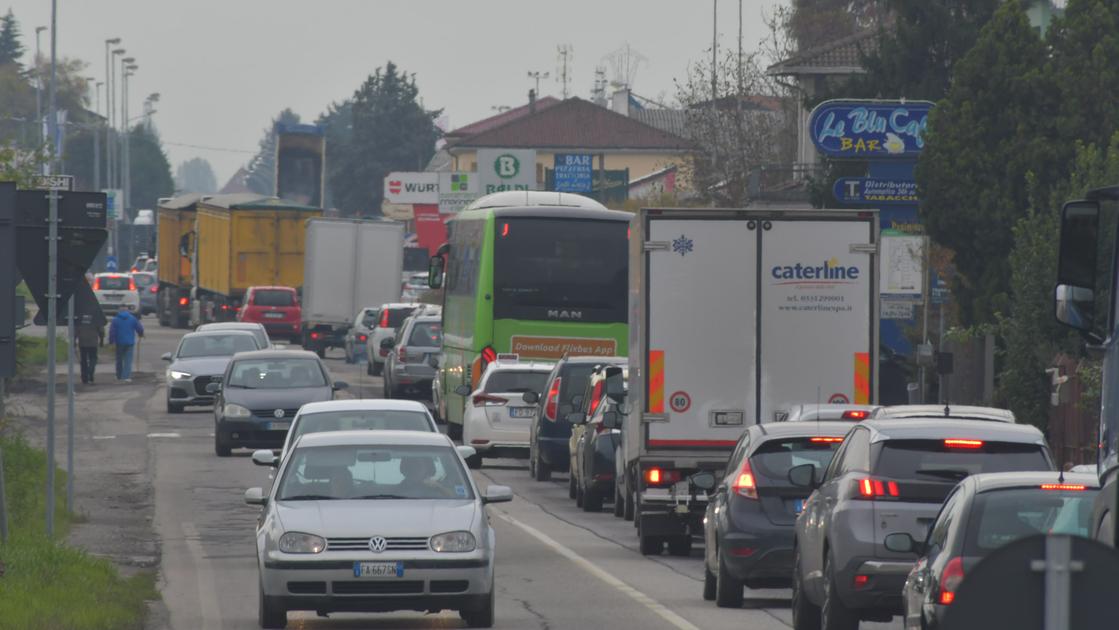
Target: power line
x=205 y=148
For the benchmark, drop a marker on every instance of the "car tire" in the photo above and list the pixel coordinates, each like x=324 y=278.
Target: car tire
x=834 y=615
x=454 y=431
x=619 y=502
x=680 y=546
x=542 y=471
x=630 y=508
x=321 y=351
x=728 y=590
x=369 y=369
x=806 y=615
x=709 y=583
x=572 y=490
x=174 y=407
x=474 y=462
x=222 y=447
x=271 y=614
x=482 y=617
x=378 y=368
x=579 y=496
x=592 y=500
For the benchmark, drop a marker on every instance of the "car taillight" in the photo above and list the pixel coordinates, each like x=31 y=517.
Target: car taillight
x=184 y=301
x=596 y=397
x=551 y=403
x=362 y=337
x=131 y=284
x=661 y=477
x=97 y=284
x=402 y=354
x=1063 y=486
x=950 y=579
x=856 y=414
x=485 y=400
x=744 y=485
x=489 y=355
x=225 y=307
x=314 y=335
x=384 y=319
x=154 y=288
x=960 y=443
x=825 y=440
x=876 y=489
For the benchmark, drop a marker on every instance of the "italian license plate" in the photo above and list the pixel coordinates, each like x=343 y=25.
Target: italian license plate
x=274 y=315
x=113 y=297
x=378 y=569
x=522 y=412
x=279 y=426
x=798 y=506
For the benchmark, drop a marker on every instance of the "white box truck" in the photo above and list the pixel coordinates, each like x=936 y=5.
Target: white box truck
x=349 y=264
x=735 y=315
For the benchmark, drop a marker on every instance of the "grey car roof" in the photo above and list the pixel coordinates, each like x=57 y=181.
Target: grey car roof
x=276 y=354
x=581 y=359
x=801 y=429
x=373 y=438
x=230 y=326
x=943 y=428
x=995 y=481
x=954 y=411
x=220 y=332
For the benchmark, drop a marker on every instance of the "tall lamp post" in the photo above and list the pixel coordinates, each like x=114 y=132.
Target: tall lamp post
x=111 y=147
x=128 y=70
x=38 y=87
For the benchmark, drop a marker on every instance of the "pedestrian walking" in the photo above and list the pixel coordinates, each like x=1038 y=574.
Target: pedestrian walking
x=89 y=337
x=123 y=332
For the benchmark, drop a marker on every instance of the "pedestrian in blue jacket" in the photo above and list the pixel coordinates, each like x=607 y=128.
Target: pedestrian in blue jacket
x=123 y=331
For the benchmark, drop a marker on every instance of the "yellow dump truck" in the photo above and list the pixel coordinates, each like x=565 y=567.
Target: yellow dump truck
x=244 y=240
x=175 y=221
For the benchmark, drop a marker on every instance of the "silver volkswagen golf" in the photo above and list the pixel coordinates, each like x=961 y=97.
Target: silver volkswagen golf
x=375 y=521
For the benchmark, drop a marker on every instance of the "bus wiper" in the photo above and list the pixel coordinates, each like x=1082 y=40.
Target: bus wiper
x=309 y=497
x=382 y=496
x=954 y=474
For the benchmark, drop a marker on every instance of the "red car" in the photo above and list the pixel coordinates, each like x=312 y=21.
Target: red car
x=276 y=308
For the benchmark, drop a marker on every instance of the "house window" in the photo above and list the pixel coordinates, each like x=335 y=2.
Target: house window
x=539 y=173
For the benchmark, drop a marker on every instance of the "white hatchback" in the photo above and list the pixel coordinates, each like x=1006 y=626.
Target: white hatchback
x=114 y=290
x=497 y=421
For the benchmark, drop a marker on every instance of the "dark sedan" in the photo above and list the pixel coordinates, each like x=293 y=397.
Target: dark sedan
x=985 y=512
x=748 y=529
x=261 y=392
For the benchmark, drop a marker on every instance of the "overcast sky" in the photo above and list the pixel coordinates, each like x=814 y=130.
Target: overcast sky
x=223 y=68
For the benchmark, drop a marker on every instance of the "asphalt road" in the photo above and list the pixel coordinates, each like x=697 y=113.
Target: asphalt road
x=557 y=567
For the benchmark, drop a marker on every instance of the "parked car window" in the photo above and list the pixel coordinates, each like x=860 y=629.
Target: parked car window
x=361 y=420
x=938 y=536
x=143 y=280
x=369 y=317
x=774 y=458
x=857 y=457
x=574 y=382
x=735 y=463
x=930 y=460
x=1001 y=517
x=367 y=472
x=426 y=334
x=273 y=297
x=276 y=374
x=514 y=381
x=398 y=315
x=835 y=468
x=113 y=283
x=215 y=345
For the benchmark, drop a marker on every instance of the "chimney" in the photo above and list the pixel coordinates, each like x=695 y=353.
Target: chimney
x=532 y=101
x=619 y=101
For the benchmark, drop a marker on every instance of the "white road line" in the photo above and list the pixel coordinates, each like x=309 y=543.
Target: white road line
x=588 y=566
x=207 y=596
x=164 y=435
x=104 y=437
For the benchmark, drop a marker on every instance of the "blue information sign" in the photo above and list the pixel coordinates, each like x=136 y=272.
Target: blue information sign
x=870 y=129
x=110 y=263
x=873 y=190
x=574 y=172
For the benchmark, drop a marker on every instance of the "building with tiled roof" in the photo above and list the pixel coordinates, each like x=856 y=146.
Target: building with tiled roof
x=497 y=120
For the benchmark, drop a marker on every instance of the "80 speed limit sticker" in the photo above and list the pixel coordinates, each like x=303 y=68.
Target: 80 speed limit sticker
x=680 y=401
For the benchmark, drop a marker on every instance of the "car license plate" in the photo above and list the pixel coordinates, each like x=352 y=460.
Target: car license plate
x=522 y=412
x=279 y=426
x=798 y=506
x=378 y=569
x=274 y=315
x=113 y=297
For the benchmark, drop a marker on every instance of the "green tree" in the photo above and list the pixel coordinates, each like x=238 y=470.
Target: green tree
x=990 y=132
x=11 y=50
x=391 y=131
x=196 y=176
x=338 y=121
x=813 y=23
x=262 y=169
x=150 y=171
x=1085 y=45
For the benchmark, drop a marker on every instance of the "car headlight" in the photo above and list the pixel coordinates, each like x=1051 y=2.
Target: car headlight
x=453 y=542
x=298 y=542
x=235 y=411
x=175 y=374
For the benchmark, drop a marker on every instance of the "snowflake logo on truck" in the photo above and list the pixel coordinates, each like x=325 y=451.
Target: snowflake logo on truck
x=682 y=245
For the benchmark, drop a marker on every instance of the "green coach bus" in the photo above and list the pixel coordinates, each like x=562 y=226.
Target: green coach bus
x=537 y=274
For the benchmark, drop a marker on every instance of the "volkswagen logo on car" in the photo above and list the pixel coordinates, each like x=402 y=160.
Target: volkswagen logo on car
x=279 y=413
x=377 y=544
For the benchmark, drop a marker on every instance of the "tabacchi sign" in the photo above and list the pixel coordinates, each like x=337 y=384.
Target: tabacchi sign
x=870 y=129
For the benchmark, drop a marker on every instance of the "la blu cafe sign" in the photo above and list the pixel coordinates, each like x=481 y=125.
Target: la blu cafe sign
x=870 y=129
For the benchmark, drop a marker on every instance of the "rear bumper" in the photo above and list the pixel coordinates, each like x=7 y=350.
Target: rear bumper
x=883 y=590
x=283 y=329
x=761 y=555
x=554 y=452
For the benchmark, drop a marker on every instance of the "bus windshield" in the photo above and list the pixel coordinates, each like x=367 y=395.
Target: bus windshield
x=560 y=269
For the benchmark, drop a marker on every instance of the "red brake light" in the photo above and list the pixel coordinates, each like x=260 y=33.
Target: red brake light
x=958 y=443
x=861 y=580
x=825 y=440
x=485 y=400
x=1063 y=486
x=314 y=335
x=596 y=397
x=384 y=318
x=97 y=284
x=744 y=485
x=950 y=580
x=154 y=288
x=402 y=354
x=551 y=403
x=362 y=337
x=184 y=301
x=856 y=414
x=505 y=230
x=661 y=477
x=877 y=489
x=131 y=284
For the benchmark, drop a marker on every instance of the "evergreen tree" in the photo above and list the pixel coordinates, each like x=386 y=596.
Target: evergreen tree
x=150 y=170
x=11 y=50
x=1085 y=45
x=262 y=169
x=196 y=176
x=984 y=139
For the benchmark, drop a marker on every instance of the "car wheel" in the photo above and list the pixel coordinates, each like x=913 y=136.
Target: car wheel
x=630 y=508
x=833 y=614
x=350 y=359
x=572 y=489
x=173 y=407
x=728 y=591
x=369 y=369
x=377 y=368
x=680 y=546
x=454 y=431
x=271 y=613
x=474 y=462
x=481 y=617
x=221 y=445
x=709 y=583
x=592 y=500
x=619 y=502
x=806 y=615
x=321 y=351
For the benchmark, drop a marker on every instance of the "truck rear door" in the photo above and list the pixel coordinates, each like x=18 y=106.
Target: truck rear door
x=701 y=276
x=816 y=333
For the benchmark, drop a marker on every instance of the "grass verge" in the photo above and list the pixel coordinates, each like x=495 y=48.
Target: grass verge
x=46 y=584
x=31 y=353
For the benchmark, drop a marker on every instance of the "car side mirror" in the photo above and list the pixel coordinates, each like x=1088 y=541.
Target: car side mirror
x=213 y=388
x=462 y=390
x=255 y=496
x=612 y=420
x=497 y=494
x=577 y=417
x=340 y=385
x=902 y=542
x=386 y=344
x=703 y=480
x=166 y=356
x=466 y=451
x=265 y=457
x=804 y=476
x=531 y=398
x=615 y=384
x=435 y=272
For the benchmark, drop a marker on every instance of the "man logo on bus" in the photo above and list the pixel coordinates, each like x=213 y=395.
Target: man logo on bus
x=506 y=166
x=554 y=313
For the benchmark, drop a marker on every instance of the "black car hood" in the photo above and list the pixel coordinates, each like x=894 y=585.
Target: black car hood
x=291 y=398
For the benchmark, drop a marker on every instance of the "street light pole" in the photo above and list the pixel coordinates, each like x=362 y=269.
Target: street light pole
x=52 y=279
x=97 y=136
x=111 y=147
x=38 y=87
x=126 y=172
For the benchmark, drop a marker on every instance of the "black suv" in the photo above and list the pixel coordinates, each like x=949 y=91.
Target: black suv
x=596 y=437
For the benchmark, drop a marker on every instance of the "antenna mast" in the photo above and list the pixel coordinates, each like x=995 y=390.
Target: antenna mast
x=565 y=54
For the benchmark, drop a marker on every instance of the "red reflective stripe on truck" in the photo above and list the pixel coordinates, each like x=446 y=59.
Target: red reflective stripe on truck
x=656 y=381
x=701 y=443
x=862 y=378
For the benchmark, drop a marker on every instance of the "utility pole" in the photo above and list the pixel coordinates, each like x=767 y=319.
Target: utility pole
x=52 y=276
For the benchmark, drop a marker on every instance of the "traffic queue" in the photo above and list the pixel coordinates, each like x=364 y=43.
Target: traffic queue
x=708 y=374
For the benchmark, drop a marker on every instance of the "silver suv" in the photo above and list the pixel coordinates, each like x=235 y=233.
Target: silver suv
x=412 y=356
x=888 y=476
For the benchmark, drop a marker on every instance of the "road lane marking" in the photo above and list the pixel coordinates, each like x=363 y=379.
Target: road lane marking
x=659 y=609
x=164 y=435
x=104 y=437
x=207 y=596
